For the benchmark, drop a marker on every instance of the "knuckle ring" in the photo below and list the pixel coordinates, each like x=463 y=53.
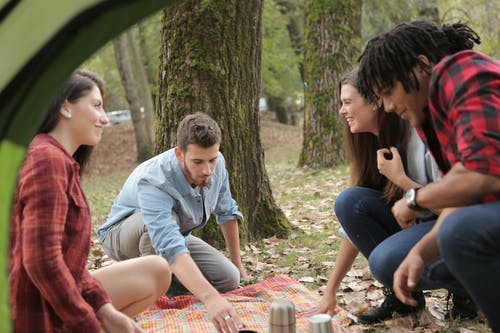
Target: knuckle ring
x=227 y=317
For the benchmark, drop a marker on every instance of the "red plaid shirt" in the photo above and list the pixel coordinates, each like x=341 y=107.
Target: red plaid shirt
x=464 y=119
x=51 y=289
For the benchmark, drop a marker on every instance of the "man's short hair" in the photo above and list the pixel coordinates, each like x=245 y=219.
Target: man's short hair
x=199 y=129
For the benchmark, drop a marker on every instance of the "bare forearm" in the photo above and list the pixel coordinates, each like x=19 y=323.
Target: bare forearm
x=231 y=236
x=188 y=273
x=427 y=247
x=345 y=258
x=459 y=187
x=405 y=183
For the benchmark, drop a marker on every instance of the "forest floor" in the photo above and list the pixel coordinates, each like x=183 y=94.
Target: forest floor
x=306 y=196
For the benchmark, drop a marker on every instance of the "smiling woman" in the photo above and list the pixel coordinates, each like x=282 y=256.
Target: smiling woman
x=64 y=34
x=51 y=288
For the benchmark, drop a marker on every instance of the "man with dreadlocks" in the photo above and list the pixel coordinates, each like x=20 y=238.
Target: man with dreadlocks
x=429 y=75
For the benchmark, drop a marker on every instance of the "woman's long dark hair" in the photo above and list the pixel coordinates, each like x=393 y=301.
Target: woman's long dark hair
x=78 y=85
x=362 y=148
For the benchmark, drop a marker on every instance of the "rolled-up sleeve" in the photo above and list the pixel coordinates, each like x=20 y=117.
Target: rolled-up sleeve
x=156 y=208
x=226 y=208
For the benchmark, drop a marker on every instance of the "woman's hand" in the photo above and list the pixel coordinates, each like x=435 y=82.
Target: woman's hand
x=113 y=321
x=393 y=167
x=327 y=305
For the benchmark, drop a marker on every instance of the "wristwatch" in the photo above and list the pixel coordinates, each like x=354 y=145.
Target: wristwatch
x=411 y=199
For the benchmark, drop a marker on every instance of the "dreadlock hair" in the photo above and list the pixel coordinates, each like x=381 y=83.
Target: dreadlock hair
x=362 y=148
x=392 y=55
x=77 y=85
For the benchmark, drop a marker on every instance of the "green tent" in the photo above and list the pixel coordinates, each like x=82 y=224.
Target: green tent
x=41 y=43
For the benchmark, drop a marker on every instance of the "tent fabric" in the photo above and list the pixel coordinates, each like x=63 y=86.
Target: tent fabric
x=42 y=43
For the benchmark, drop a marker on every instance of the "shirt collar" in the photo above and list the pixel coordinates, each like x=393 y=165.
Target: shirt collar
x=44 y=138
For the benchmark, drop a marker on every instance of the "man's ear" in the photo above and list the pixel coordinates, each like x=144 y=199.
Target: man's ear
x=424 y=65
x=178 y=153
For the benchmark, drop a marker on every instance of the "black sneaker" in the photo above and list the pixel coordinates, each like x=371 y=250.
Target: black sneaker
x=390 y=306
x=463 y=308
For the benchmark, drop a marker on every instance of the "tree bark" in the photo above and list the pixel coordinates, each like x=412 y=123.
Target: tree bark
x=142 y=138
x=142 y=84
x=330 y=46
x=210 y=62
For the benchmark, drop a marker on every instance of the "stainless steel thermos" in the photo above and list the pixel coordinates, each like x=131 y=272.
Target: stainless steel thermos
x=282 y=316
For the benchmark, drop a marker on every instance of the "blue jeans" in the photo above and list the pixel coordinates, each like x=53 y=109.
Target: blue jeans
x=372 y=228
x=469 y=241
x=365 y=217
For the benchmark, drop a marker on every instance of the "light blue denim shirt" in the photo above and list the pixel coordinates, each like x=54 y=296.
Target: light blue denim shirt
x=156 y=188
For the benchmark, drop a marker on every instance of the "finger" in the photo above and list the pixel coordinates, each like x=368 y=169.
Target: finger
x=236 y=320
x=228 y=325
x=413 y=278
x=405 y=291
x=218 y=327
x=381 y=152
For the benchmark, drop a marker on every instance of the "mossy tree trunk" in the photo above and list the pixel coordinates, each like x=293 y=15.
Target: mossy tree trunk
x=330 y=47
x=210 y=62
x=142 y=137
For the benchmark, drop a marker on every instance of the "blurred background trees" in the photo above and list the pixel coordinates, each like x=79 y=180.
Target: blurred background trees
x=288 y=46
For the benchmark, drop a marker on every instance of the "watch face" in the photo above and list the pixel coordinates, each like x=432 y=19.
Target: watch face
x=410 y=198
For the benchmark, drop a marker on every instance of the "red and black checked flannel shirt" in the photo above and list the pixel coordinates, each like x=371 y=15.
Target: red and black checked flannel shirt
x=464 y=118
x=51 y=289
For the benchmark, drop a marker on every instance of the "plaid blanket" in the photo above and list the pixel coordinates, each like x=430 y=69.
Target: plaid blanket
x=185 y=314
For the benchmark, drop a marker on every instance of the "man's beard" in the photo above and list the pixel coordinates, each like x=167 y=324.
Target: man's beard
x=194 y=182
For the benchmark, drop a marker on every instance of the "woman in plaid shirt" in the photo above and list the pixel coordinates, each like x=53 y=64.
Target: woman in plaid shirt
x=51 y=289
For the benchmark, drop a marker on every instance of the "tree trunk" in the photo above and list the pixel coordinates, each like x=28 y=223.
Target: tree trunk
x=142 y=138
x=142 y=84
x=277 y=104
x=210 y=62
x=330 y=47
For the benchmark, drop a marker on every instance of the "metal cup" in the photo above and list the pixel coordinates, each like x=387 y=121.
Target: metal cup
x=320 y=323
x=282 y=316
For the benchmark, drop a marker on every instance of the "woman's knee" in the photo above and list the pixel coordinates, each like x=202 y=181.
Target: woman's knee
x=347 y=201
x=160 y=272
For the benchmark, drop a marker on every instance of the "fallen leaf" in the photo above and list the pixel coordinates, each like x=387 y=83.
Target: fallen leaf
x=308 y=279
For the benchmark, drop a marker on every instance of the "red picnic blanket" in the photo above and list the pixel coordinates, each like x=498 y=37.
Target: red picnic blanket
x=185 y=314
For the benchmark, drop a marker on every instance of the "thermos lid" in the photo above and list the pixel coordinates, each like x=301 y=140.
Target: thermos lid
x=282 y=312
x=320 y=323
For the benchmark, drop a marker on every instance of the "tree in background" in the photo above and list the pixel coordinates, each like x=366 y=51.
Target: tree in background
x=141 y=84
x=148 y=40
x=378 y=16
x=142 y=137
x=483 y=17
x=103 y=62
x=330 y=48
x=281 y=83
x=210 y=62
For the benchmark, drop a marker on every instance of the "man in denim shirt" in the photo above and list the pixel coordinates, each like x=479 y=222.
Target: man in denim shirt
x=169 y=196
